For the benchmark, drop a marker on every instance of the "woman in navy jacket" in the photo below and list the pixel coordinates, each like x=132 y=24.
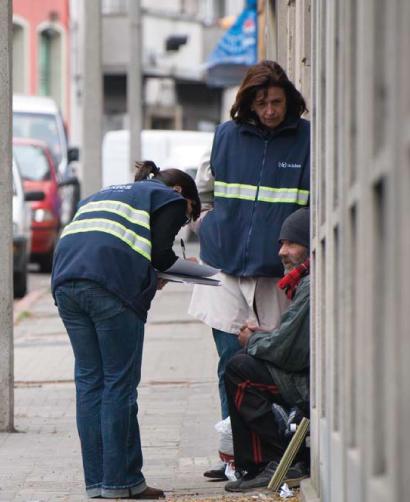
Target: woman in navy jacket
x=103 y=281
x=257 y=175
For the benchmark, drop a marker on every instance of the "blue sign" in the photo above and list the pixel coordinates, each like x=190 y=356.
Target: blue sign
x=236 y=50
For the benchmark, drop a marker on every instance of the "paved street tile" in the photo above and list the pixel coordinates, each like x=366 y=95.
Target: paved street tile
x=178 y=406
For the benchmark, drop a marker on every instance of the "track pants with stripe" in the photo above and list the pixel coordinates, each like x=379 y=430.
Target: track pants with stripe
x=251 y=392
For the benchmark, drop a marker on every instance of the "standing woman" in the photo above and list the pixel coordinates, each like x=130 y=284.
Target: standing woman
x=258 y=175
x=103 y=282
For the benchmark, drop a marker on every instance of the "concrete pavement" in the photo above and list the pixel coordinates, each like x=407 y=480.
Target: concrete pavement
x=177 y=396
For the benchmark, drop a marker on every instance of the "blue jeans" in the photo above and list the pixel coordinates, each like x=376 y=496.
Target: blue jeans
x=227 y=345
x=107 y=339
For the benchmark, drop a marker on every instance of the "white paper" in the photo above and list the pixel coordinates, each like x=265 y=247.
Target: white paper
x=230 y=472
x=189 y=279
x=188 y=267
x=285 y=491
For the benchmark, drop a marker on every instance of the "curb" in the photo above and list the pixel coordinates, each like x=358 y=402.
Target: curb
x=24 y=305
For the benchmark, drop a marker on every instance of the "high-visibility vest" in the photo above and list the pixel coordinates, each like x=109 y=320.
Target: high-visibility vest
x=260 y=179
x=109 y=242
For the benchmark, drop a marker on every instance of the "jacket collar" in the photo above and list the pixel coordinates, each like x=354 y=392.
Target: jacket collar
x=289 y=124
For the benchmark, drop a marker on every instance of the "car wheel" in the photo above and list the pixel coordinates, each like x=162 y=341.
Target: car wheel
x=46 y=262
x=20 y=283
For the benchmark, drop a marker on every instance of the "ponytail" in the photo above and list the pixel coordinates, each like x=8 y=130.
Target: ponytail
x=144 y=169
x=171 y=177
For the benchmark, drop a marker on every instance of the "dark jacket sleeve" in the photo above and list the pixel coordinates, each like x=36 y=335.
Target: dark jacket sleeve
x=287 y=347
x=165 y=224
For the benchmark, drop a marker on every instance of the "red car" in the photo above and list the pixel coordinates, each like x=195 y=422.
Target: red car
x=38 y=172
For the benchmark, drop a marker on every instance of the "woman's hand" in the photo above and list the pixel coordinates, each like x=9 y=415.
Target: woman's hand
x=193 y=259
x=161 y=283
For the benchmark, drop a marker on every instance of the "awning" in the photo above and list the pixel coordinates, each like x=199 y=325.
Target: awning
x=236 y=50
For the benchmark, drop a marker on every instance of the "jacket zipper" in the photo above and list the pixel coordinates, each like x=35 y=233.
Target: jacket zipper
x=254 y=205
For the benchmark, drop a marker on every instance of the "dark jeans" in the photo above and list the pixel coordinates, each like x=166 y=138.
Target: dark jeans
x=107 y=340
x=251 y=392
x=227 y=345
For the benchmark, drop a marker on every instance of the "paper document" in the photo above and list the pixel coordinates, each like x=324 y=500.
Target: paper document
x=189 y=279
x=189 y=272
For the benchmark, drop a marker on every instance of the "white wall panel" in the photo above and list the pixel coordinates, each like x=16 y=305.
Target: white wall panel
x=357 y=73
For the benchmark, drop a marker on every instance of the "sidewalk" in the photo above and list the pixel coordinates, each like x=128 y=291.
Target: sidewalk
x=177 y=397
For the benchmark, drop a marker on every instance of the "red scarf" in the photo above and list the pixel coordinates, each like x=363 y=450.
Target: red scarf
x=291 y=280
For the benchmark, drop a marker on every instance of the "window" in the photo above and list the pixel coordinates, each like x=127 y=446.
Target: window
x=39 y=126
x=19 y=59
x=32 y=162
x=49 y=64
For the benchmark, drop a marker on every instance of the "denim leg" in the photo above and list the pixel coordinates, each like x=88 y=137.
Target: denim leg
x=89 y=380
x=111 y=347
x=227 y=345
x=121 y=342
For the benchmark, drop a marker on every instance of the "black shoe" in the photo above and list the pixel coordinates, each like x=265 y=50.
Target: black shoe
x=217 y=473
x=249 y=482
x=295 y=474
x=149 y=494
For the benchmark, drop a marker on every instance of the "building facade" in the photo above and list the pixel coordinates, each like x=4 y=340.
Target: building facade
x=354 y=60
x=176 y=39
x=41 y=50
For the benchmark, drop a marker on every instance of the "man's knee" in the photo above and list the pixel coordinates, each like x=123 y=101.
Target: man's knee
x=238 y=365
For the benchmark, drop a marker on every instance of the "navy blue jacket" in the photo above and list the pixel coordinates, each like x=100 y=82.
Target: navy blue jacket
x=260 y=179
x=109 y=242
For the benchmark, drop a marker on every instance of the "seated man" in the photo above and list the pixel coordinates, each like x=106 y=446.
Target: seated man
x=273 y=368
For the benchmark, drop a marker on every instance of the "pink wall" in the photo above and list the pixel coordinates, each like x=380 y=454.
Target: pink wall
x=36 y=12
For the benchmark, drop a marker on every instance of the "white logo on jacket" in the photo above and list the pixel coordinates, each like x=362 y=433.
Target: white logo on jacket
x=284 y=165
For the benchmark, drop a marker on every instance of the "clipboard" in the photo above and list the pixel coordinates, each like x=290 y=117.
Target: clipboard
x=189 y=272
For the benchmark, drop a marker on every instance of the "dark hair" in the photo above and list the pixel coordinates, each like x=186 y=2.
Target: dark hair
x=171 y=177
x=262 y=76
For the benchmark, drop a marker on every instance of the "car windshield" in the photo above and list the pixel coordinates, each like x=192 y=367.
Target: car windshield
x=32 y=162
x=39 y=126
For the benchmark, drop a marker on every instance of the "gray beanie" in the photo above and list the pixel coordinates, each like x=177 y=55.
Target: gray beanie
x=296 y=228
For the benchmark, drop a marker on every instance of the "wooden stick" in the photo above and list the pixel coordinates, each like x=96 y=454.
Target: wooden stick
x=289 y=456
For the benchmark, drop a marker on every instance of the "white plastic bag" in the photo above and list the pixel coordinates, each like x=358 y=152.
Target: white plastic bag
x=225 y=436
x=226 y=447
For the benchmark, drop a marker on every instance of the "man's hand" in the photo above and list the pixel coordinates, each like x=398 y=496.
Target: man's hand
x=244 y=336
x=194 y=259
x=246 y=332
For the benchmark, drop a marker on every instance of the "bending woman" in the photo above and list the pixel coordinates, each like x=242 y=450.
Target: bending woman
x=103 y=281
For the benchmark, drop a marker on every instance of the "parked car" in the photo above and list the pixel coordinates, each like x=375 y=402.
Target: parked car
x=21 y=235
x=38 y=172
x=21 y=232
x=38 y=117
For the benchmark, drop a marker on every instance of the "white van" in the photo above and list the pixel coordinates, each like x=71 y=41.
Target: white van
x=180 y=149
x=39 y=117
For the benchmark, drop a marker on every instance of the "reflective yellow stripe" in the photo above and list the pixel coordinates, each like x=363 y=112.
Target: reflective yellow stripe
x=135 y=241
x=265 y=194
x=235 y=190
x=286 y=195
x=114 y=206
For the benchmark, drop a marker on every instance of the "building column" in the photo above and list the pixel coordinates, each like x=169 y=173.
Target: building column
x=6 y=241
x=92 y=102
x=134 y=82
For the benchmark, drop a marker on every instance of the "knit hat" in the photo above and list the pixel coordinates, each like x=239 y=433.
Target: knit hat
x=296 y=227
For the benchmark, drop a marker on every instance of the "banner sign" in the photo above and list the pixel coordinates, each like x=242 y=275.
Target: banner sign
x=235 y=51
